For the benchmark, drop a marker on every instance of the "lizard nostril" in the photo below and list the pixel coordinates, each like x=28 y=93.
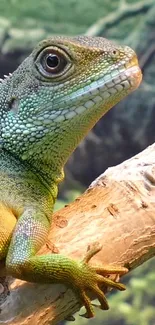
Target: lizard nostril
x=115 y=53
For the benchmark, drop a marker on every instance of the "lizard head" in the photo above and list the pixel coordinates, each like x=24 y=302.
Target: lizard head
x=59 y=92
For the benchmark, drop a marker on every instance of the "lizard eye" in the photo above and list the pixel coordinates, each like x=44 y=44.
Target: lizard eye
x=53 y=62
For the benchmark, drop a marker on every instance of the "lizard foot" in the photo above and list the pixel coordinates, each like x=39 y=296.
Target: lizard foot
x=94 y=276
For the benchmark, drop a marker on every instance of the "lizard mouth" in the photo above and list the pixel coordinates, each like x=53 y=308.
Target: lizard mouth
x=130 y=78
x=133 y=72
x=102 y=92
x=125 y=80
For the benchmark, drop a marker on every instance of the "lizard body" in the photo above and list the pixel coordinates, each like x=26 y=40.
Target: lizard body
x=47 y=106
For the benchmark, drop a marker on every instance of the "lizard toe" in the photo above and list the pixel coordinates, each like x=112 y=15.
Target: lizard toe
x=110 y=283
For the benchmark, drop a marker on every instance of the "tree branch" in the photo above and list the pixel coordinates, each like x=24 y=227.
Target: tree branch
x=118 y=211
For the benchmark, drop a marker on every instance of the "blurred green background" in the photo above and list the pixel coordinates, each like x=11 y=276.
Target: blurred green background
x=124 y=131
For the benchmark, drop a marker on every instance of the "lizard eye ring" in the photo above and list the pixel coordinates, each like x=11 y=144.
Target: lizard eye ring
x=53 y=62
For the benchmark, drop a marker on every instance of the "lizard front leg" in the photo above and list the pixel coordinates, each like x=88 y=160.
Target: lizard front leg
x=22 y=262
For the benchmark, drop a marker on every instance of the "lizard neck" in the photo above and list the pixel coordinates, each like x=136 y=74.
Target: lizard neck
x=48 y=170
x=49 y=155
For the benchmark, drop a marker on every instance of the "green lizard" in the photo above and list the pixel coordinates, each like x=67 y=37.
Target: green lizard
x=47 y=106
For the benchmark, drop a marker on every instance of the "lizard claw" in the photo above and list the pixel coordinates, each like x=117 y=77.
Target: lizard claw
x=92 y=277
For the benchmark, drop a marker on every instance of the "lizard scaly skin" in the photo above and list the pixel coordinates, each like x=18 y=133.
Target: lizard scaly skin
x=47 y=106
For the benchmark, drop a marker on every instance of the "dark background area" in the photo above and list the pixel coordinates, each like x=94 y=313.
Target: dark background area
x=126 y=130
